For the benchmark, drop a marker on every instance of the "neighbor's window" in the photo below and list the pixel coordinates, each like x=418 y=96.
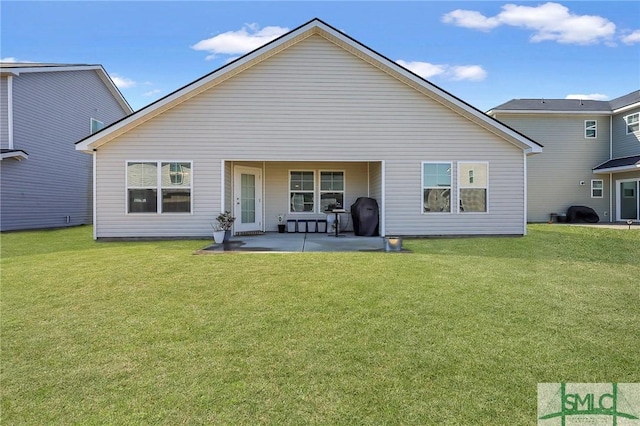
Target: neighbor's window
x=96 y=125
x=301 y=191
x=633 y=122
x=590 y=128
x=596 y=188
x=473 y=186
x=147 y=180
x=436 y=187
x=331 y=190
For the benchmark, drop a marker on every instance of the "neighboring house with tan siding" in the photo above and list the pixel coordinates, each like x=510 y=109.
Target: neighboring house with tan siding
x=591 y=156
x=312 y=119
x=44 y=110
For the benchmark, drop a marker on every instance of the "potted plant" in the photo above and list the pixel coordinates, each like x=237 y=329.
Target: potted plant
x=281 y=225
x=218 y=234
x=223 y=227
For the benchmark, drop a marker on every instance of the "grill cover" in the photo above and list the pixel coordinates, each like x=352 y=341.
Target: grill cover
x=582 y=214
x=364 y=213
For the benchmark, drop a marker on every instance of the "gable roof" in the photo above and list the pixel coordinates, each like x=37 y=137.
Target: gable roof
x=313 y=27
x=16 y=68
x=630 y=100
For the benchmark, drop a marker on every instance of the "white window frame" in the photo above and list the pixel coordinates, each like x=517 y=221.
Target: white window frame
x=321 y=191
x=635 y=123
x=593 y=188
x=99 y=125
x=461 y=186
x=291 y=191
x=317 y=189
x=422 y=187
x=588 y=127
x=158 y=187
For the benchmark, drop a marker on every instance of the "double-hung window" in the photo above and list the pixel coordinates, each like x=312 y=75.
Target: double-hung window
x=590 y=129
x=436 y=187
x=331 y=190
x=472 y=186
x=158 y=187
x=596 y=188
x=306 y=187
x=301 y=191
x=633 y=122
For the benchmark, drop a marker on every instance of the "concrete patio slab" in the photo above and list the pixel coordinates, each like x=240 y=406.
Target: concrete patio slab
x=296 y=242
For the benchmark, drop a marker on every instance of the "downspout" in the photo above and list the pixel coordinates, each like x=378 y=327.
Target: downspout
x=94 y=154
x=10 y=110
x=611 y=188
x=524 y=157
x=368 y=179
x=221 y=186
x=383 y=214
x=611 y=174
x=264 y=189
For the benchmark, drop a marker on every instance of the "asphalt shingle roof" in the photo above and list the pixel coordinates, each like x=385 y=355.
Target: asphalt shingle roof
x=569 y=105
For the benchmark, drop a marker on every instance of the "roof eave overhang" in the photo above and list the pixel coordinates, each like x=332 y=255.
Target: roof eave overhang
x=493 y=112
x=315 y=26
x=15 y=155
x=627 y=108
x=620 y=169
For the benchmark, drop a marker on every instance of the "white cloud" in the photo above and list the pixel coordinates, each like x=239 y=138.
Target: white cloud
x=592 y=96
x=449 y=72
x=122 y=82
x=549 y=21
x=423 y=69
x=239 y=42
x=9 y=60
x=152 y=92
x=631 y=38
x=468 y=72
x=470 y=19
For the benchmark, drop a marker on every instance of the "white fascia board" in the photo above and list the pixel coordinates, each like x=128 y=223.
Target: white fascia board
x=627 y=108
x=16 y=155
x=494 y=112
x=620 y=169
x=54 y=68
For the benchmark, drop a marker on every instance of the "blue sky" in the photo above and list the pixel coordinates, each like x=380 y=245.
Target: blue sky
x=485 y=52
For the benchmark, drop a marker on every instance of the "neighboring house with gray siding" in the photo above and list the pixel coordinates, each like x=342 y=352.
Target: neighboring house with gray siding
x=312 y=119
x=591 y=156
x=44 y=110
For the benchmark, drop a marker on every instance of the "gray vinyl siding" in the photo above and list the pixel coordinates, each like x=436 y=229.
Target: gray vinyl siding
x=568 y=158
x=313 y=102
x=52 y=111
x=624 y=145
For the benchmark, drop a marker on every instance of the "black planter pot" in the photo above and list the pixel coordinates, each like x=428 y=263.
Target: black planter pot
x=281 y=228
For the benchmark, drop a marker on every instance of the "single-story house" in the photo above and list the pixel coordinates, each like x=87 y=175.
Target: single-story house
x=311 y=120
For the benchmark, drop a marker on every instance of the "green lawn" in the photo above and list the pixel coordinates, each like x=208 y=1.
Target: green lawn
x=459 y=331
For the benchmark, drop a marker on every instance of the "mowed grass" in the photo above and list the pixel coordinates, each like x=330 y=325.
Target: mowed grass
x=459 y=331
